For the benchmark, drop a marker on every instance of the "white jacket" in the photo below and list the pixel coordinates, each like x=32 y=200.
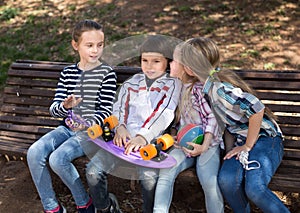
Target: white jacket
x=147 y=111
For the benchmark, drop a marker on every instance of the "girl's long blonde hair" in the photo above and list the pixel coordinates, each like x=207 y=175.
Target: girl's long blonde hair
x=202 y=56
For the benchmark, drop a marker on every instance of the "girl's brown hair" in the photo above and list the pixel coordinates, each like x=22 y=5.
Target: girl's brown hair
x=83 y=26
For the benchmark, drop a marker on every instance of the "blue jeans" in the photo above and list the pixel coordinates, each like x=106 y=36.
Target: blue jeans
x=239 y=185
x=60 y=147
x=207 y=167
x=97 y=181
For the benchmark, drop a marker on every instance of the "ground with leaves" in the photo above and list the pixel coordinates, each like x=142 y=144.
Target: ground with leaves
x=251 y=35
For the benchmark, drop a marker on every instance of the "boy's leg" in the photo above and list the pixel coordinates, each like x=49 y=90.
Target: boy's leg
x=148 y=183
x=97 y=181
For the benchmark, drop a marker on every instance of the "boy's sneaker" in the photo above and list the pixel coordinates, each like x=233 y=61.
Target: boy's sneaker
x=59 y=209
x=88 y=208
x=114 y=205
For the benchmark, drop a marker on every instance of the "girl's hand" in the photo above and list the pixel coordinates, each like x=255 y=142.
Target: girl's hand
x=236 y=152
x=176 y=143
x=135 y=144
x=197 y=149
x=76 y=125
x=71 y=102
x=79 y=128
x=121 y=136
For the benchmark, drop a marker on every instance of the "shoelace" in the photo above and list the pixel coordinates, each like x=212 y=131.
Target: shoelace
x=243 y=158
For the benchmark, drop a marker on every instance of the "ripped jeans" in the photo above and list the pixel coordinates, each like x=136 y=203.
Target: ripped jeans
x=60 y=147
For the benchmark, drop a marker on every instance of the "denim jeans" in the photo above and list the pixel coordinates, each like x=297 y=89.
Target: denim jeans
x=60 y=147
x=97 y=181
x=239 y=185
x=207 y=167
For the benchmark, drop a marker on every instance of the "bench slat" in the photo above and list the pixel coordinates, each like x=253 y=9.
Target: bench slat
x=269 y=74
x=283 y=85
x=275 y=96
x=35 y=101
x=36 y=111
x=290 y=130
x=21 y=137
x=284 y=108
x=46 y=66
x=38 y=121
x=42 y=83
x=17 y=91
x=35 y=74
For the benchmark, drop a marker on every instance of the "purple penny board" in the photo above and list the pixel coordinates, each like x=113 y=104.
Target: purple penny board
x=135 y=157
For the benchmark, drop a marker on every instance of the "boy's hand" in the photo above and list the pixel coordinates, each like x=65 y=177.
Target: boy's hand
x=121 y=136
x=135 y=144
x=71 y=102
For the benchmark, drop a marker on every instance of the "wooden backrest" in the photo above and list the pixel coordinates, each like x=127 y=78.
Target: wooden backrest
x=280 y=91
x=31 y=85
x=28 y=93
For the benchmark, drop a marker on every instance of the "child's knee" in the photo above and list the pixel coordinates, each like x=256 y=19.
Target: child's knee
x=94 y=174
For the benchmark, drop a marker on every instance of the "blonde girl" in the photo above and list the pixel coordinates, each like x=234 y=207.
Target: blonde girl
x=257 y=139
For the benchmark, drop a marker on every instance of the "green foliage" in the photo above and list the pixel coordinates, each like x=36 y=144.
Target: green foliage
x=250 y=53
x=269 y=66
x=8 y=13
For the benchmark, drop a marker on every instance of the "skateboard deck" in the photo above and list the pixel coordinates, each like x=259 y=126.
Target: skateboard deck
x=152 y=156
x=163 y=160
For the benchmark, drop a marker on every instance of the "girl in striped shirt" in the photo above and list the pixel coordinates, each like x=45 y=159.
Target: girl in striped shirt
x=87 y=88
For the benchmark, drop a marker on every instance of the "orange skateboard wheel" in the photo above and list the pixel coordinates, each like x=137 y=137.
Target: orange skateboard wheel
x=94 y=131
x=166 y=141
x=148 y=152
x=112 y=121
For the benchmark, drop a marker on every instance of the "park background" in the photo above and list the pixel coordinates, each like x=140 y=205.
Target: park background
x=251 y=34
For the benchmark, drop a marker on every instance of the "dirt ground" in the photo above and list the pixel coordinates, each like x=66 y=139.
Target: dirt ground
x=18 y=194
x=265 y=36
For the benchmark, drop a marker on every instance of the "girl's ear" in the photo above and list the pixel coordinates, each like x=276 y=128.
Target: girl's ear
x=74 y=45
x=188 y=71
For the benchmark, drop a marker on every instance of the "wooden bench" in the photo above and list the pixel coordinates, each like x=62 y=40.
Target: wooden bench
x=30 y=87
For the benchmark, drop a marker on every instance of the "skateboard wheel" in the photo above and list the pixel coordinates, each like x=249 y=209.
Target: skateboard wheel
x=148 y=152
x=94 y=131
x=112 y=121
x=166 y=141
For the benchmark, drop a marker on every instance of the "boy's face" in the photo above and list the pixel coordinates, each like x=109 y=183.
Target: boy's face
x=153 y=64
x=90 y=46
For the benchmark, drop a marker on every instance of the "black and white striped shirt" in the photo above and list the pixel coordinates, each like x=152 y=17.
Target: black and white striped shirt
x=96 y=87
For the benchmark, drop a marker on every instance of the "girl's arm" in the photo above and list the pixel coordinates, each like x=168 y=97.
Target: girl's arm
x=254 y=127
x=57 y=108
